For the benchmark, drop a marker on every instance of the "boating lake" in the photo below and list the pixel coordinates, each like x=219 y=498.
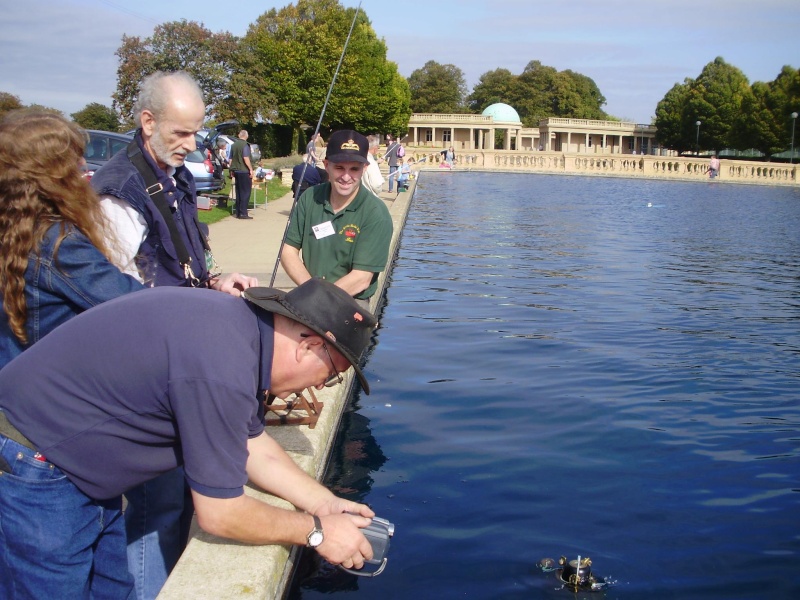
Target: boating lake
x=582 y=366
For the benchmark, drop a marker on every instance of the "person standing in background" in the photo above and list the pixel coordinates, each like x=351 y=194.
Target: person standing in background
x=311 y=148
x=373 y=178
x=713 y=167
x=242 y=174
x=449 y=157
x=391 y=156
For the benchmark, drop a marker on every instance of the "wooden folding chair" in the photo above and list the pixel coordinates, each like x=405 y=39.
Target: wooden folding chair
x=294 y=411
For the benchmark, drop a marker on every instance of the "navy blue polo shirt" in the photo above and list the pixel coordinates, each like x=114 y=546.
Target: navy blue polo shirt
x=143 y=383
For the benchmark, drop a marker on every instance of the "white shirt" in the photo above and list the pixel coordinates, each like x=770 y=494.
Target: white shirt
x=128 y=229
x=372 y=178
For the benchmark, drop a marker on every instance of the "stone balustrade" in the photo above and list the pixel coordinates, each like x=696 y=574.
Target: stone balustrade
x=620 y=165
x=417 y=118
x=598 y=125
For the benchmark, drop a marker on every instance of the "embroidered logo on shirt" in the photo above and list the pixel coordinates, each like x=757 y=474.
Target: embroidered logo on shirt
x=350 y=233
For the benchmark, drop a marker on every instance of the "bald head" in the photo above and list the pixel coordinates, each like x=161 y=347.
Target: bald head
x=170 y=111
x=160 y=89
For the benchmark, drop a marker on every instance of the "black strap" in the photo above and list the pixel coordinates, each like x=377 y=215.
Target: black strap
x=155 y=190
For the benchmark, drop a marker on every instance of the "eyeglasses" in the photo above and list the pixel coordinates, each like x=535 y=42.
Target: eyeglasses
x=334 y=379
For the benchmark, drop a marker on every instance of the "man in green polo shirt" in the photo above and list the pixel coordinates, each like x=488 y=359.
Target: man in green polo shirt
x=341 y=228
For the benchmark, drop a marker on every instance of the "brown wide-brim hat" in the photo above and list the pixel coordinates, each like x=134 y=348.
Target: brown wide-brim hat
x=328 y=310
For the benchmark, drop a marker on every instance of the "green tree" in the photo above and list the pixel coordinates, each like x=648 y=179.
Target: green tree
x=135 y=63
x=97 y=116
x=755 y=125
x=8 y=102
x=716 y=100
x=437 y=88
x=49 y=109
x=540 y=92
x=732 y=113
x=176 y=46
x=492 y=87
x=535 y=95
x=674 y=127
x=765 y=121
x=577 y=96
x=286 y=62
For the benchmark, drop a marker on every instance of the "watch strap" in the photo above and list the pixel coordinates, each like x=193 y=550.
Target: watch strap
x=317 y=529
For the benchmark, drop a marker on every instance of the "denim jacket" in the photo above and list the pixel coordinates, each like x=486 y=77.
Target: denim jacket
x=157 y=259
x=58 y=287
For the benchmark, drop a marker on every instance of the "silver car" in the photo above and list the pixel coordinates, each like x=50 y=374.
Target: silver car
x=203 y=172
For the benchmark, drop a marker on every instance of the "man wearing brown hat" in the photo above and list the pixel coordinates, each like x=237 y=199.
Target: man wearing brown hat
x=341 y=228
x=96 y=408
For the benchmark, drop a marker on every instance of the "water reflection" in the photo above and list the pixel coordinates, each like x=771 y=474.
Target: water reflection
x=354 y=458
x=563 y=370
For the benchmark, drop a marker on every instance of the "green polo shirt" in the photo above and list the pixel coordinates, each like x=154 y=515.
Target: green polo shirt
x=358 y=237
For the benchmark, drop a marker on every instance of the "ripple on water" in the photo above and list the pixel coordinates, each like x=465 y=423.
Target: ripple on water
x=562 y=370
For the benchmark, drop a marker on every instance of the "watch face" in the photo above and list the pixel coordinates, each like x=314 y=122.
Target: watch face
x=315 y=539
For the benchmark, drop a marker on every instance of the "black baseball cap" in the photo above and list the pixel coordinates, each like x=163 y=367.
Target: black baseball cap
x=347 y=145
x=328 y=310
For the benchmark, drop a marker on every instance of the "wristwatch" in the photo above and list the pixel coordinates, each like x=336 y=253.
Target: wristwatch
x=316 y=536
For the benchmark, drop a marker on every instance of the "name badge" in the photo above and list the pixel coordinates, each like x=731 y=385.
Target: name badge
x=323 y=230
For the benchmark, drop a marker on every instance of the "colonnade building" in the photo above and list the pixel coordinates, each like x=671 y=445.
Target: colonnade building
x=465 y=132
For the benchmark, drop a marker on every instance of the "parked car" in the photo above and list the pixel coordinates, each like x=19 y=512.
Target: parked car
x=255 y=154
x=208 y=137
x=228 y=140
x=102 y=145
x=199 y=164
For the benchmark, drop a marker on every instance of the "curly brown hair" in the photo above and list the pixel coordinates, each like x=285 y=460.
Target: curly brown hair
x=41 y=183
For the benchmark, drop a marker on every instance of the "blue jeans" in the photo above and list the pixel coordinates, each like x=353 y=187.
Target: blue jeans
x=55 y=541
x=391 y=179
x=157 y=521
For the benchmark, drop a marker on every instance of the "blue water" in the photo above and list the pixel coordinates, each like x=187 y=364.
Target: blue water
x=583 y=366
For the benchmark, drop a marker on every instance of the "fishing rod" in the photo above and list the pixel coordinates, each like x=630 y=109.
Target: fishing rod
x=316 y=131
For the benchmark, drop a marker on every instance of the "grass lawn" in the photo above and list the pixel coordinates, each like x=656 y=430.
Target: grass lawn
x=274 y=191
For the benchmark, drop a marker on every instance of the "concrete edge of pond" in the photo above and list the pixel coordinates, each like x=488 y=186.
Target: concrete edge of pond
x=212 y=567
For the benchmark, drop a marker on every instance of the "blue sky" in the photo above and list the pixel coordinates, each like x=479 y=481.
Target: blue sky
x=60 y=53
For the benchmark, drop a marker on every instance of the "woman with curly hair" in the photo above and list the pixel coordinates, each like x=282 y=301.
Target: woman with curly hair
x=55 y=261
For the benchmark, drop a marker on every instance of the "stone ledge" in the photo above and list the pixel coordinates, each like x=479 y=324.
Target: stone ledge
x=211 y=567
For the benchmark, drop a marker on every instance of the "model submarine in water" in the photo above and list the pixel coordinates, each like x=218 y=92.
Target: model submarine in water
x=576 y=575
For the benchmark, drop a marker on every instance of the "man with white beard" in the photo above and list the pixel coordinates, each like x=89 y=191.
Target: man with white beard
x=150 y=200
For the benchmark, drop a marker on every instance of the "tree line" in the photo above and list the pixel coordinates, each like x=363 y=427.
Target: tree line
x=274 y=80
x=732 y=112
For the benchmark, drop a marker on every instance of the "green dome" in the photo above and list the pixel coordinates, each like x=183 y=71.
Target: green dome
x=501 y=112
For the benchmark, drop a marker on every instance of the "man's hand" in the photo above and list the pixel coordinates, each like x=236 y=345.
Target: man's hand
x=233 y=283
x=335 y=505
x=344 y=544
